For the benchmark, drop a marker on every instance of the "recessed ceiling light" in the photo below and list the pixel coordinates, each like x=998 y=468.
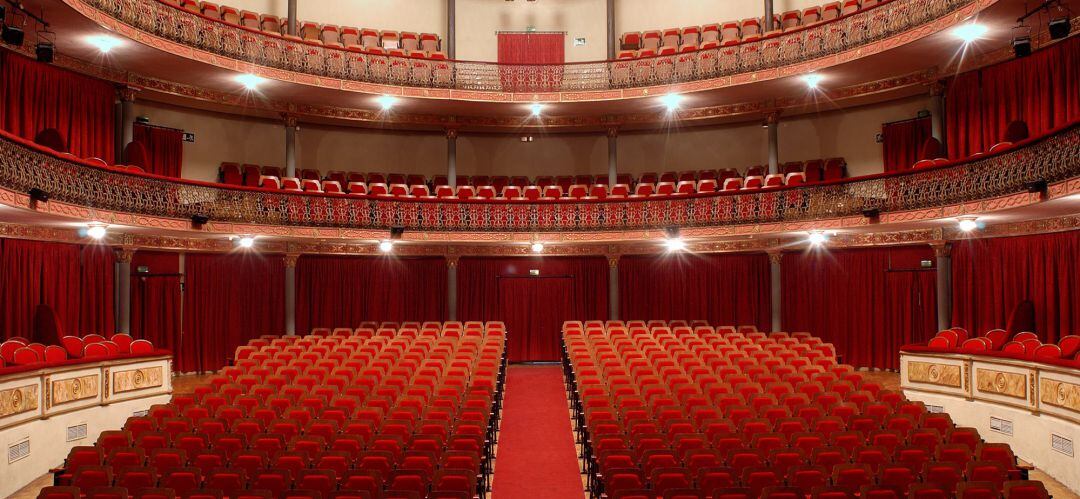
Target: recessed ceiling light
x=250 y=81
x=812 y=80
x=104 y=43
x=387 y=101
x=386 y=246
x=536 y=108
x=672 y=101
x=675 y=244
x=817 y=238
x=246 y=242
x=537 y=247
x=967 y=224
x=97 y=231
x=970 y=32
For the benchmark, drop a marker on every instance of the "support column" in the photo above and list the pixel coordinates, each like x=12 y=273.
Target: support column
x=451 y=157
x=451 y=287
x=127 y=119
x=769 y=16
x=290 y=293
x=123 y=272
x=291 y=30
x=291 y=126
x=612 y=156
x=612 y=36
x=772 y=120
x=775 y=257
x=937 y=111
x=943 y=255
x=451 y=29
x=613 y=287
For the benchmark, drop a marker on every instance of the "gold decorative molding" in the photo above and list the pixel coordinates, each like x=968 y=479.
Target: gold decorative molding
x=18 y=400
x=137 y=379
x=125 y=254
x=72 y=389
x=934 y=374
x=1059 y=393
x=1002 y=383
x=290 y=260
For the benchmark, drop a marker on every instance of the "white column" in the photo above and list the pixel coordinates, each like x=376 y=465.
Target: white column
x=937 y=111
x=451 y=157
x=292 y=18
x=613 y=287
x=612 y=156
x=127 y=119
x=451 y=287
x=772 y=120
x=123 y=293
x=290 y=293
x=291 y=125
x=943 y=255
x=775 y=257
x=451 y=29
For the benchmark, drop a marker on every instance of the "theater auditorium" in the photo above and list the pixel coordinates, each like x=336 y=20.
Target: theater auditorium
x=539 y=249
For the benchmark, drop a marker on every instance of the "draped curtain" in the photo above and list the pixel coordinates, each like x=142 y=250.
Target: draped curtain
x=165 y=148
x=565 y=288
x=546 y=52
x=75 y=281
x=155 y=299
x=867 y=302
x=723 y=289
x=229 y=299
x=902 y=141
x=36 y=96
x=343 y=291
x=991 y=276
x=1042 y=89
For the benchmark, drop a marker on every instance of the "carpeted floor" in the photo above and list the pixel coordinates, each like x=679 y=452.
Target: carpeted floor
x=536 y=456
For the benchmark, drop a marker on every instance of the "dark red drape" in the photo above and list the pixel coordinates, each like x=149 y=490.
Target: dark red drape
x=991 y=276
x=867 y=302
x=1042 y=89
x=165 y=148
x=229 y=299
x=343 y=291
x=545 y=51
x=75 y=281
x=902 y=141
x=724 y=289
x=533 y=306
x=36 y=96
x=155 y=299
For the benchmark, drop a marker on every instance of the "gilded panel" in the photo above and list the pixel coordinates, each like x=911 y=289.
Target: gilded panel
x=1060 y=394
x=1002 y=383
x=934 y=374
x=72 y=389
x=136 y=379
x=18 y=400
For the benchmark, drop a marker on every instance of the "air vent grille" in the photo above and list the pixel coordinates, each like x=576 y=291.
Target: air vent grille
x=934 y=409
x=77 y=432
x=18 y=451
x=1003 y=426
x=1061 y=444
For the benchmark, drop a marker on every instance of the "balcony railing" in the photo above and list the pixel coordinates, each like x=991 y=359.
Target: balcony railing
x=1052 y=158
x=846 y=33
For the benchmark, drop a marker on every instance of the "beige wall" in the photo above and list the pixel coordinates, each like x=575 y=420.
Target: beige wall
x=849 y=134
x=478 y=20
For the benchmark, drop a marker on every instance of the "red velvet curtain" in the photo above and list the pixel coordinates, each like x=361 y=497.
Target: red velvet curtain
x=867 y=302
x=36 y=96
x=75 y=281
x=1042 y=89
x=547 y=51
x=229 y=299
x=534 y=306
x=155 y=299
x=343 y=291
x=991 y=276
x=165 y=148
x=724 y=289
x=902 y=141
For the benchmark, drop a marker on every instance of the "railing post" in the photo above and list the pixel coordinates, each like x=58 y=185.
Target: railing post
x=943 y=282
x=291 y=126
x=290 y=293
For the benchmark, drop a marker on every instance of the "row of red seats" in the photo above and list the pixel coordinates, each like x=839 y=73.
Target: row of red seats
x=395 y=413
x=1025 y=344
x=700 y=413
x=735 y=31
x=18 y=351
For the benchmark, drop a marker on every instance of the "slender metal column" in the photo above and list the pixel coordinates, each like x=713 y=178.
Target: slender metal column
x=451 y=157
x=291 y=125
x=769 y=16
x=123 y=281
x=613 y=287
x=943 y=255
x=772 y=121
x=127 y=119
x=290 y=293
x=937 y=111
x=451 y=29
x=292 y=18
x=775 y=257
x=451 y=287
x=612 y=156
x=612 y=36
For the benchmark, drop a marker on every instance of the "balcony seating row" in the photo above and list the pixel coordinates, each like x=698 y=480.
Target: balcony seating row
x=409 y=412
x=725 y=412
x=330 y=35
x=19 y=351
x=1024 y=345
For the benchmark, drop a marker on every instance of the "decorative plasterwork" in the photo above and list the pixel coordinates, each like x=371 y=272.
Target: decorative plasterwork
x=1060 y=393
x=1001 y=383
x=934 y=374
x=73 y=389
x=136 y=379
x=18 y=400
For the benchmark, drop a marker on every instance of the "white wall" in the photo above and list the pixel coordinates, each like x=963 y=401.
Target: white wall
x=478 y=20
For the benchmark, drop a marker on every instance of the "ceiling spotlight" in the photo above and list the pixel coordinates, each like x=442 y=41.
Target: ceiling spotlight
x=96 y=231
x=672 y=101
x=817 y=238
x=387 y=101
x=536 y=108
x=812 y=80
x=675 y=244
x=537 y=247
x=250 y=81
x=967 y=224
x=104 y=43
x=246 y=242
x=386 y=246
x=970 y=32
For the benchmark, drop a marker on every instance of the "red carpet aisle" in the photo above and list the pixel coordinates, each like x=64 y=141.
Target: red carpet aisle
x=536 y=456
